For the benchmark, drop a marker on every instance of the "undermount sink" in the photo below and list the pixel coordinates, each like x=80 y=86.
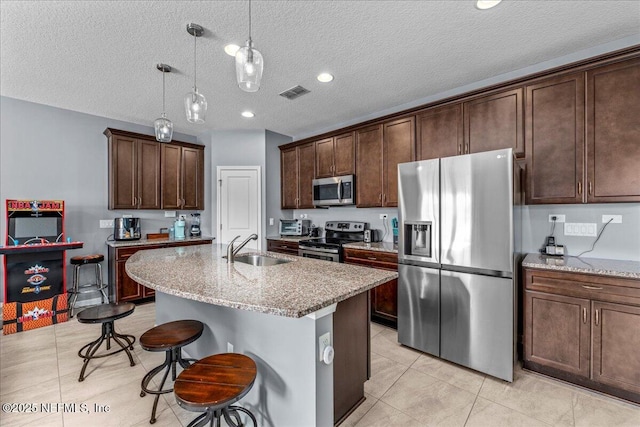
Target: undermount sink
x=260 y=260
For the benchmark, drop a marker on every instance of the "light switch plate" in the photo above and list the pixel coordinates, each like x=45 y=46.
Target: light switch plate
x=169 y=214
x=558 y=217
x=580 y=229
x=323 y=342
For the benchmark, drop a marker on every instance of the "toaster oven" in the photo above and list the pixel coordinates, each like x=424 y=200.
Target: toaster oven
x=294 y=227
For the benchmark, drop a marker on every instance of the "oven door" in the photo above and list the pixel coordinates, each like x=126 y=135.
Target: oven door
x=323 y=254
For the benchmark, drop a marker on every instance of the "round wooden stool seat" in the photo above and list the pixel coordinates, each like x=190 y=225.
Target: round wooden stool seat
x=213 y=384
x=170 y=338
x=106 y=314
x=87 y=259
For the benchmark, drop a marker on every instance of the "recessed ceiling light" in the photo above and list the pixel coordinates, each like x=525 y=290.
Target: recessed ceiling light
x=324 y=77
x=487 y=4
x=231 y=49
x=247 y=114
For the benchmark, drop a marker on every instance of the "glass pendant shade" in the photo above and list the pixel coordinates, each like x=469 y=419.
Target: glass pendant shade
x=163 y=128
x=249 y=66
x=195 y=105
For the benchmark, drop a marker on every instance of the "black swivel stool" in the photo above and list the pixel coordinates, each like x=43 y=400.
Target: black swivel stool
x=170 y=338
x=106 y=314
x=213 y=385
x=77 y=288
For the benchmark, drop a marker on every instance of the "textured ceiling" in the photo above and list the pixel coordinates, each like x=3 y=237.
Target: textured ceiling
x=99 y=57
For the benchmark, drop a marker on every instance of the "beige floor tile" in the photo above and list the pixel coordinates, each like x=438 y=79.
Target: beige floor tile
x=49 y=420
x=531 y=395
x=602 y=411
x=386 y=344
x=38 y=395
x=384 y=373
x=429 y=400
x=376 y=329
x=486 y=413
x=14 y=345
x=23 y=375
x=383 y=415
x=450 y=373
x=360 y=411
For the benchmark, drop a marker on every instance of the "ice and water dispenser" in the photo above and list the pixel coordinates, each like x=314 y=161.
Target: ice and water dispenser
x=418 y=239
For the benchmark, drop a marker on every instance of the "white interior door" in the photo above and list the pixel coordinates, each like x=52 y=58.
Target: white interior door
x=239 y=204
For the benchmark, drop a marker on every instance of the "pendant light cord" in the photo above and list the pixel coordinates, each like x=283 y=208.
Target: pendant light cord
x=195 y=60
x=249 y=19
x=163 y=109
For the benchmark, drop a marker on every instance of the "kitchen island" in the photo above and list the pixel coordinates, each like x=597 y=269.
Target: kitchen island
x=274 y=314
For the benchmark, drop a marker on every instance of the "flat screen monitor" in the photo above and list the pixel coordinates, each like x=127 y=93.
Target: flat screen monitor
x=26 y=227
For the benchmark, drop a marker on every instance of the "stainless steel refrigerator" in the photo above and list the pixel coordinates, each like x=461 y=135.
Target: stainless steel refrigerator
x=456 y=251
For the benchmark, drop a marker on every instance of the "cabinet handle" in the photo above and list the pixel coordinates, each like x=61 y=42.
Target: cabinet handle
x=372 y=258
x=284 y=247
x=459 y=148
x=584 y=315
x=592 y=287
x=380 y=197
x=590 y=188
x=597 y=317
x=466 y=148
x=384 y=197
x=579 y=188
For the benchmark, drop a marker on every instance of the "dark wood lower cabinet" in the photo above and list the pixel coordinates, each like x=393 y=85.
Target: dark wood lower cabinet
x=124 y=287
x=282 y=246
x=584 y=329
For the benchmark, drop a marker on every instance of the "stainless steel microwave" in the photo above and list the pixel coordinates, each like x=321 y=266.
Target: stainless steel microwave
x=336 y=191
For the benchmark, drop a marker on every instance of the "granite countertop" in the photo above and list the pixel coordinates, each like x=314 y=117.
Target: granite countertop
x=146 y=242
x=289 y=238
x=599 y=266
x=375 y=246
x=293 y=289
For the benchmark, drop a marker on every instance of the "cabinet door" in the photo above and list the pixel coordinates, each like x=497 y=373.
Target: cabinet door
x=616 y=345
x=171 y=176
x=192 y=175
x=148 y=175
x=147 y=292
x=306 y=172
x=439 y=132
x=123 y=172
x=494 y=122
x=126 y=288
x=369 y=167
x=324 y=158
x=384 y=301
x=554 y=139
x=399 y=147
x=613 y=133
x=289 y=178
x=557 y=332
x=344 y=150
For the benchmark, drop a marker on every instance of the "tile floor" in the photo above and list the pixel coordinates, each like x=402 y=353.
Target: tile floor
x=407 y=388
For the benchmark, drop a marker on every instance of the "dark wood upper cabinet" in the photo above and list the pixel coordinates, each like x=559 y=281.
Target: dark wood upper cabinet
x=554 y=139
x=134 y=172
x=398 y=147
x=369 y=153
x=335 y=156
x=297 y=170
x=613 y=133
x=494 y=122
x=145 y=174
x=439 y=132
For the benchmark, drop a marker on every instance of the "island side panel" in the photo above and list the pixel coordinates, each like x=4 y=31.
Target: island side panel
x=293 y=388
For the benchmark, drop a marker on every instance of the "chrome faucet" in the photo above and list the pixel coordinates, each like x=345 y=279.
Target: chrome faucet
x=231 y=252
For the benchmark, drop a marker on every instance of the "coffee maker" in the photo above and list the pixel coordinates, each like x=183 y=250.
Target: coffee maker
x=194 y=231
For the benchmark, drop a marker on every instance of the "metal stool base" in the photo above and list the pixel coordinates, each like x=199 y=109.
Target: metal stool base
x=173 y=356
x=108 y=333
x=99 y=286
x=217 y=414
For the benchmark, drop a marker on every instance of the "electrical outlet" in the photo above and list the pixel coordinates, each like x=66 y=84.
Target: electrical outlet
x=558 y=218
x=383 y=216
x=323 y=342
x=127 y=216
x=270 y=221
x=615 y=219
x=229 y=347
x=106 y=223
x=580 y=229
x=303 y=216
x=169 y=214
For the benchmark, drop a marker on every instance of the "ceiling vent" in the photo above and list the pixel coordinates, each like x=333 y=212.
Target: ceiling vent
x=295 y=92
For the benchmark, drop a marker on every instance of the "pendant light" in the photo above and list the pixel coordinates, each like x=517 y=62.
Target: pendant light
x=162 y=125
x=249 y=64
x=195 y=103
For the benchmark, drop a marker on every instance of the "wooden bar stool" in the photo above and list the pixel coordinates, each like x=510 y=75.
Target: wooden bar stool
x=213 y=384
x=170 y=338
x=77 y=288
x=106 y=314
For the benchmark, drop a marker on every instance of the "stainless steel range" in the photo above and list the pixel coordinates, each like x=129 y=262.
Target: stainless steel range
x=337 y=233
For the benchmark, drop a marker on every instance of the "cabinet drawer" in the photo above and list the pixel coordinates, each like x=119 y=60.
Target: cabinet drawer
x=125 y=253
x=282 y=247
x=376 y=259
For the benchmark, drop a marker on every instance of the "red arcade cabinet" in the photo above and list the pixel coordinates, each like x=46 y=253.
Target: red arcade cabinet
x=35 y=291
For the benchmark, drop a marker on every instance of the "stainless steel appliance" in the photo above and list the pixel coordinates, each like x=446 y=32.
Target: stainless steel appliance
x=335 y=191
x=194 y=230
x=294 y=227
x=126 y=228
x=337 y=233
x=372 y=236
x=457 y=247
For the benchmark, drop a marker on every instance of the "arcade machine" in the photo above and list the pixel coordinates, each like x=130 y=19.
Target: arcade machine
x=35 y=291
